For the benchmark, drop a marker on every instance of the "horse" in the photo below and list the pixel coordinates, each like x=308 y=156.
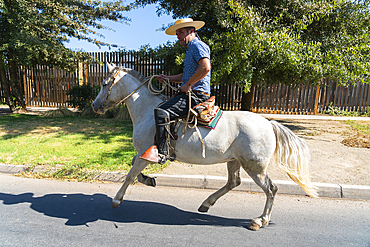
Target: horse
x=241 y=139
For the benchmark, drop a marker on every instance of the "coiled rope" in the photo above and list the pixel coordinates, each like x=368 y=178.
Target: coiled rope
x=153 y=90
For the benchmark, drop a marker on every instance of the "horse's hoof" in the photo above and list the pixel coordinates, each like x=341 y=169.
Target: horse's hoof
x=203 y=209
x=115 y=203
x=254 y=226
x=150 y=182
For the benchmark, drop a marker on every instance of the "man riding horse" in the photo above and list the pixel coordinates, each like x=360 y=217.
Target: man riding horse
x=195 y=80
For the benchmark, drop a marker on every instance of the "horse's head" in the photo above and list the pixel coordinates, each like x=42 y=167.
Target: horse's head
x=107 y=97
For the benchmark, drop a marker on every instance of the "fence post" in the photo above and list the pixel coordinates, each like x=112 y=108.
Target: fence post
x=316 y=99
x=25 y=85
x=80 y=74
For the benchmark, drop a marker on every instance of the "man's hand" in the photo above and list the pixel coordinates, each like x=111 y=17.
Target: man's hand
x=185 y=88
x=172 y=78
x=161 y=78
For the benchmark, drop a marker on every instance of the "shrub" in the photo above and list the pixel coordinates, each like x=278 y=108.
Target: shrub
x=82 y=95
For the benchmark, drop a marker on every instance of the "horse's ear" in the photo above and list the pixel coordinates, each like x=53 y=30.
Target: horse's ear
x=110 y=67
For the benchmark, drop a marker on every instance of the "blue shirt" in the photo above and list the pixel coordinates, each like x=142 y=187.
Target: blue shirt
x=196 y=49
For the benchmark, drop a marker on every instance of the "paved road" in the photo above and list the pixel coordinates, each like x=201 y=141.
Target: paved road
x=56 y=213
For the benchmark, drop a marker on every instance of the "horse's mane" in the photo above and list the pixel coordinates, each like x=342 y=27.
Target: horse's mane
x=141 y=78
x=134 y=73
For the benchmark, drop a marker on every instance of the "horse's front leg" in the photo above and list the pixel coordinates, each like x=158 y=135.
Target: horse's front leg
x=136 y=169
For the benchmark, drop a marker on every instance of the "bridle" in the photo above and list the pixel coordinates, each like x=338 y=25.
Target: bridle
x=151 y=88
x=110 y=87
x=154 y=91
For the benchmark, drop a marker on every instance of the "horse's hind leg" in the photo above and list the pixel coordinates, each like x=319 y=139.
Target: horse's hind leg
x=136 y=169
x=262 y=180
x=233 y=169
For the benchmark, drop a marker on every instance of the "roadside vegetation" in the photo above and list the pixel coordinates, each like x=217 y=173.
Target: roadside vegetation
x=336 y=111
x=78 y=145
x=358 y=134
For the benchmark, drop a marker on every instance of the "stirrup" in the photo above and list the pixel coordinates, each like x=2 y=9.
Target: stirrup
x=151 y=155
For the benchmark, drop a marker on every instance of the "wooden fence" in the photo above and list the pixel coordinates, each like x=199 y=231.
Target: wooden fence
x=312 y=100
x=47 y=87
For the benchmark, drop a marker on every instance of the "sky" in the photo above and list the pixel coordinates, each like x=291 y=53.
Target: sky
x=142 y=30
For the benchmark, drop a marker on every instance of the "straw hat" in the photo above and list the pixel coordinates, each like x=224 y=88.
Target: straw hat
x=186 y=22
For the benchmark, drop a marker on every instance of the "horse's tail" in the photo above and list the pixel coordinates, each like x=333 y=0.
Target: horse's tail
x=292 y=156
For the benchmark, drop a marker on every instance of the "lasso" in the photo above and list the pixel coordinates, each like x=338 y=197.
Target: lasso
x=155 y=91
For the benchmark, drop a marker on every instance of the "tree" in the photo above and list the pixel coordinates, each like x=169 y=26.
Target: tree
x=33 y=32
x=291 y=42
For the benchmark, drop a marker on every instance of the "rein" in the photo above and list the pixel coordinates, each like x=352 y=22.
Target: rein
x=151 y=88
x=154 y=91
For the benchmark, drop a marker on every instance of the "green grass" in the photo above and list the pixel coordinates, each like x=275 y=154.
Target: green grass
x=361 y=127
x=78 y=143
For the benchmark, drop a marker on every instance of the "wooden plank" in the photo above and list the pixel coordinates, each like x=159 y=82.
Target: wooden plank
x=347 y=93
x=294 y=101
x=299 y=99
x=358 y=98
x=329 y=92
x=337 y=96
x=351 y=94
x=281 y=98
x=316 y=104
x=361 y=98
x=367 y=98
x=306 y=99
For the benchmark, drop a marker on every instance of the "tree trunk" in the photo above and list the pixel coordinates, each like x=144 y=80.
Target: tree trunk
x=247 y=99
x=15 y=85
x=5 y=85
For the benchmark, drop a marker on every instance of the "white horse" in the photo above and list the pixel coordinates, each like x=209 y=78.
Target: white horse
x=242 y=139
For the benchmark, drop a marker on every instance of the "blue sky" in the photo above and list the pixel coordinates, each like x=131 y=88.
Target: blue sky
x=140 y=31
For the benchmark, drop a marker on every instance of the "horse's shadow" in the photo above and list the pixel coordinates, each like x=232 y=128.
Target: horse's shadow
x=80 y=209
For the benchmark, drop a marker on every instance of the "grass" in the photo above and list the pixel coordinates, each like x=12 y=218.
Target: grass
x=361 y=127
x=78 y=143
x=361 y=134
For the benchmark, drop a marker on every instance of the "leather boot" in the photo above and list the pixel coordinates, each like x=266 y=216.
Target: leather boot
x=159 y=153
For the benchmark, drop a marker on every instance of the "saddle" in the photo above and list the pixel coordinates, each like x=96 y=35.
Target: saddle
x=208 y=113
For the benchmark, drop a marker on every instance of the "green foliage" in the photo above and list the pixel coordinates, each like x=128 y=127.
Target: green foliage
x=336 y=111
x=34 y=32
x=255 y=51
x=82 y=96
x=281 y=41
x=170 y=53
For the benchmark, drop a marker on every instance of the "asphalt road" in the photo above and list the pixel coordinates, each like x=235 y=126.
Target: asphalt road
x=56 y=213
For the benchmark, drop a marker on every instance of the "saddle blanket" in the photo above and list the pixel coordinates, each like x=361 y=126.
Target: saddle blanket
x=208 y=114
x=212 y=121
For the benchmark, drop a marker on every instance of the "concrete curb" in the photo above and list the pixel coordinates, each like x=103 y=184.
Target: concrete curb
x=285 y=187
x=214 y=182
x=116 y=177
